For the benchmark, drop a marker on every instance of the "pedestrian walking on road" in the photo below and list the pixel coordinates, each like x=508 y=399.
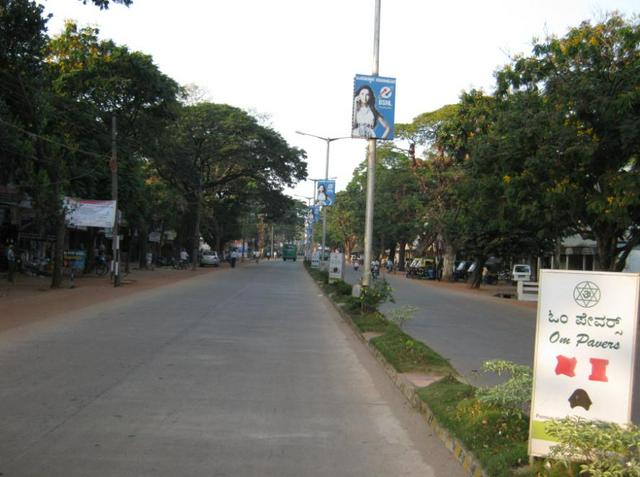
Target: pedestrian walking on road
x=11 y=261
x=234 y=257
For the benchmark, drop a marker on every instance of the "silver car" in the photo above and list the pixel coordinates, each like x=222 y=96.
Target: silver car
x=210 y=258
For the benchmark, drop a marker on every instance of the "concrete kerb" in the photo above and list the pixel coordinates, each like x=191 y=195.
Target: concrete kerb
x=409 y=390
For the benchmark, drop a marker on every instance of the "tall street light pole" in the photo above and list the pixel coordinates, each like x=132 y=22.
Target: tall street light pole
x=306 y=234
x=371 y=163
x=328 y=140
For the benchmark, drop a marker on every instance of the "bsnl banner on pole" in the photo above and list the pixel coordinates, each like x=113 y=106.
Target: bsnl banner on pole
x=585 y=351
x=373 y=107
x=313 y=214
x=326 y=193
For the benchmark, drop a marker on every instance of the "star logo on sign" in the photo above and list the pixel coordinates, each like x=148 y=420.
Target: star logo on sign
x=586 y=294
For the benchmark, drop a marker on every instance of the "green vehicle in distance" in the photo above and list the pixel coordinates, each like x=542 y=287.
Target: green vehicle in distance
x=289 y=251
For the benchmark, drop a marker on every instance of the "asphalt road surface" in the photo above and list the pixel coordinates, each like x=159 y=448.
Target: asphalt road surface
x=245 y=372
x=467 y=329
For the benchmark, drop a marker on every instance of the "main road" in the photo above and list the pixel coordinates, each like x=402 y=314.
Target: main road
x=241 y=372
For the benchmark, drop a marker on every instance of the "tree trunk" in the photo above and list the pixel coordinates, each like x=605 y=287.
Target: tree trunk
x=89 y=246
x=448 y=262
x=196 y=233
x=606 y=241
x=142 y=247
x=58 y=256
x=401 y=255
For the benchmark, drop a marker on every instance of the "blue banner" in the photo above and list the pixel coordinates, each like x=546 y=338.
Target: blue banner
x=373 y=107
x=326 y=192
x=313 y=214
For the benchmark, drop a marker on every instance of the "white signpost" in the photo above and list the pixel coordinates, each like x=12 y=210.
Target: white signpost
x=336 y=266
x=585 y=350
x=315 y=260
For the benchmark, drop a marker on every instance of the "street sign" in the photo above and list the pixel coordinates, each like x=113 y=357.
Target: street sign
x=585 y=350
x=336 y=267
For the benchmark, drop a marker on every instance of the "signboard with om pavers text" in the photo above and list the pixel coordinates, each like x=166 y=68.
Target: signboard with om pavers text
x=585 y=350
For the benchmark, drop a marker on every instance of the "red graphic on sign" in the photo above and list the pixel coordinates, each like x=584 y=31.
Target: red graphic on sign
x=566 y=366
x=599 y=370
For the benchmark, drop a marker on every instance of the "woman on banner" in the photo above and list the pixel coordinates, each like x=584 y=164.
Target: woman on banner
x=322 y=195
x=365 y=115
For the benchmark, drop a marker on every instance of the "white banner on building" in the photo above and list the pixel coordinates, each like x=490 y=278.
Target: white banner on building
x=585 y=350
x=90 y=213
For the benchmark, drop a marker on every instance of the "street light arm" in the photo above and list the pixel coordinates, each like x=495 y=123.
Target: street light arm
x=327 y=139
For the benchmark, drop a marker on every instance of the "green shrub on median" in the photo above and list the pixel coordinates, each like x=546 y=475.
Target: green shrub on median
x=406 y=354
x=498 y=439
x=369 y=322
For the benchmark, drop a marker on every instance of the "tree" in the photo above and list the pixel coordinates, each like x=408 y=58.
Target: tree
x=93 y=81
x=588 y=82
x=104 y=4
x=212 y=146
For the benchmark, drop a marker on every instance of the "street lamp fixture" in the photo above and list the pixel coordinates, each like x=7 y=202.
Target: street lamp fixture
x=328 y=140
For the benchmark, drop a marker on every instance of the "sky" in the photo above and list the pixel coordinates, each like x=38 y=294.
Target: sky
x=293 y=62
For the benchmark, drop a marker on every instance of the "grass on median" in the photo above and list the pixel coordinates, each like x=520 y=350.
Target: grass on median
x=495 y=436
x=406 y=354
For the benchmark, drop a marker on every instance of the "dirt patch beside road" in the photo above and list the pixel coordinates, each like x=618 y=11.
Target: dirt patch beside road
x=31 y=299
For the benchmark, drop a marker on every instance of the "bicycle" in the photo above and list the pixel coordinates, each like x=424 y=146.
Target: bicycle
x=180 y=264
x=101 y=268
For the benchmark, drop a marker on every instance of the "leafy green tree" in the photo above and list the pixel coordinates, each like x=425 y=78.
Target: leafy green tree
x=398 y=206
x=94 y=81
x=213 y=146
x=22 y=80
x=437 y=177
x=104 y=4
x=343 y=226
x=587 y=160
x=399 y=211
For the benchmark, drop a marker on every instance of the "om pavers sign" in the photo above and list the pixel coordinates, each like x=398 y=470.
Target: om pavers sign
x=585 y=349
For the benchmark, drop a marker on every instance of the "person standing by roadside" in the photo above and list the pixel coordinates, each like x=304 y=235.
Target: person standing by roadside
x=234 y=257
x=11 y=261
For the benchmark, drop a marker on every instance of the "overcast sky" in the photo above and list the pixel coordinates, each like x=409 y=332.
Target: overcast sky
x=294 y=60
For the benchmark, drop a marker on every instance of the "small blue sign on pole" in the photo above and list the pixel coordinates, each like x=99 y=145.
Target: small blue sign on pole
x=326 y=193
x=373 y=107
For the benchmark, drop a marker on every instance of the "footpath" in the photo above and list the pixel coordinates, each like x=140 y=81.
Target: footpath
x=31 y=298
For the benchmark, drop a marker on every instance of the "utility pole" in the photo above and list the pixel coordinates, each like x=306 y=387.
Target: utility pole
x=115 y=261
x=371 y=164
x=272 y=241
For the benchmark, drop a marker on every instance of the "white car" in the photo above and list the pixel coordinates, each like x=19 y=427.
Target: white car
x=210 y=258
x=521 y=272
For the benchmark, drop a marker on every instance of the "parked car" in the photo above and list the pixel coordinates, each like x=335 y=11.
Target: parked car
x=209 y=258
x=462 y=269
x=521 y=272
